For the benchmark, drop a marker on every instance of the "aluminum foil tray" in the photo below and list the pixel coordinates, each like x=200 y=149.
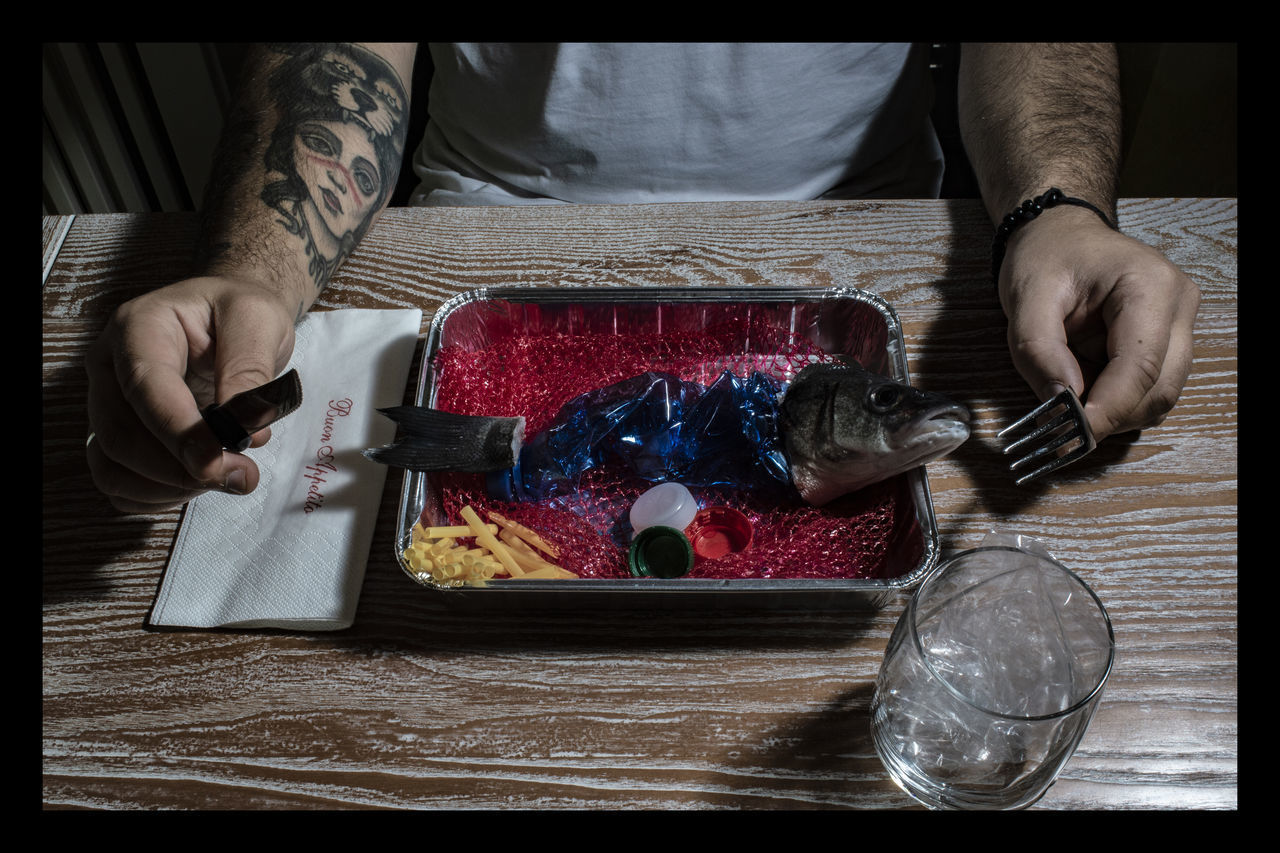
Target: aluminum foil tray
x=837 y=320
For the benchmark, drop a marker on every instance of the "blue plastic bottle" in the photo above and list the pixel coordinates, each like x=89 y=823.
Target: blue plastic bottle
x=657 y=427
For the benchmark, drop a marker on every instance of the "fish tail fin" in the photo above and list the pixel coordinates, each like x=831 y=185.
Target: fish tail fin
x=432 y=440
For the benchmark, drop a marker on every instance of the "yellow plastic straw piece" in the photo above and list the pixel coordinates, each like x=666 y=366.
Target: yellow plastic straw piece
x=516 y=543
x=473 y=561
x=488 y=540
x=529 y=559
x=526 y=534
x=519 y=547
x=453 y=531
x=548 y=571
x=442 y=546
x=451 y=555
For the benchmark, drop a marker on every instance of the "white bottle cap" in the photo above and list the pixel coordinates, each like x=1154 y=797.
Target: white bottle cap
x=665 y=505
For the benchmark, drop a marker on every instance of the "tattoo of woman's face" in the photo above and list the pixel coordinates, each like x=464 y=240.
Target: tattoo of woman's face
x=337 y=164
x=337 y=148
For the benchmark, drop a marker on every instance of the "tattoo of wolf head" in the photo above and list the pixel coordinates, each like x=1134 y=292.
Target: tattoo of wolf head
x=359 y=84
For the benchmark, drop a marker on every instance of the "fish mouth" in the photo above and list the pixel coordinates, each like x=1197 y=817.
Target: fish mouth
x=949 y=412
x=943 y=427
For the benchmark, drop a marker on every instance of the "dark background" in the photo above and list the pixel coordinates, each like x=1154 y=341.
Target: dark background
x=131 y=127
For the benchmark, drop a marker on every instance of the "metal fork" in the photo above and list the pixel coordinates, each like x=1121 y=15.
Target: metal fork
x=1065 y=424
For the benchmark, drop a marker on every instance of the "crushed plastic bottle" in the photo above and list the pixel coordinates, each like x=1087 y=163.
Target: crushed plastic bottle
x=658 y=428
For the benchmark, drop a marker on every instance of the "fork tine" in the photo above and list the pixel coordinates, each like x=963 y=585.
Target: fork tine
x=1047 y=405
x=1044 y=450
x=1051 y=426
x=1064 y=427
x=1053 y=465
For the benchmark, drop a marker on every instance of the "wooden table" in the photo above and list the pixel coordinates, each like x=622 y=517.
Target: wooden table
x=423 y=706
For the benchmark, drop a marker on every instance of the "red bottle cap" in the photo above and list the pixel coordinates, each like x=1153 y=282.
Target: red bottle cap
x=718 y=531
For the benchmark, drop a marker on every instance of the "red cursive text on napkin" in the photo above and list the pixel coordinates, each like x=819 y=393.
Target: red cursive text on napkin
x=324 y=463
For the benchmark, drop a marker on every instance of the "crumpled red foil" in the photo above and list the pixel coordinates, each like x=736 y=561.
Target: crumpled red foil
x=534 y=375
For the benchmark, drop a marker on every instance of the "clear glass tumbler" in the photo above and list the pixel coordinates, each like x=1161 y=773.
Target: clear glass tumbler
x=990 y=679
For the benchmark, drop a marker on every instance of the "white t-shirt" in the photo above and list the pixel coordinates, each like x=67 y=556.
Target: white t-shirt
x=622 y=123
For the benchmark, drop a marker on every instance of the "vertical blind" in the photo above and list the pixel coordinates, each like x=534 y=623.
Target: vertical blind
x=129 y=127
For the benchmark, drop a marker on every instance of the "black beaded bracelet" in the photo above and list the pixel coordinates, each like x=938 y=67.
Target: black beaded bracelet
x=1028 y=210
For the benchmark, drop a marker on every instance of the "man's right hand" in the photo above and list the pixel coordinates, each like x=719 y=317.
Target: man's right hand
x=310 y=155
x=161 y=359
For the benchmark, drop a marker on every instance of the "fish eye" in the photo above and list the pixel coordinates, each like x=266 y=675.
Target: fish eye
x=884 y=398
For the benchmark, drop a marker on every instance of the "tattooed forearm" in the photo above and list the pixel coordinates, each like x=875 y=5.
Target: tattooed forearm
x=233 y=157
x=1041 y=115
x=309 y=156
x=335 y=153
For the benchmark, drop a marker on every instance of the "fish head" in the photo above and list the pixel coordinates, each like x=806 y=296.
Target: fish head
x=845 y=428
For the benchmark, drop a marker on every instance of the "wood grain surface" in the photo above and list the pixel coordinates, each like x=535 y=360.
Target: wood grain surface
x=423 y=706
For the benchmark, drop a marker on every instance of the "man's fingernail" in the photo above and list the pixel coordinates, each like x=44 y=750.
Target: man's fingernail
x=1052 y=390
x=235 y=482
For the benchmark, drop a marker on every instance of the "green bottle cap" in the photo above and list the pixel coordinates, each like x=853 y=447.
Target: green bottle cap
x=660 y=552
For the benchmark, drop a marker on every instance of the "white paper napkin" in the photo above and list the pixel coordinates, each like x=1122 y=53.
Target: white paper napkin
x=292 y=553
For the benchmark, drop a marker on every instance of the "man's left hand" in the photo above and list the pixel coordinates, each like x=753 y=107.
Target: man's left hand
x=1101 y=313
